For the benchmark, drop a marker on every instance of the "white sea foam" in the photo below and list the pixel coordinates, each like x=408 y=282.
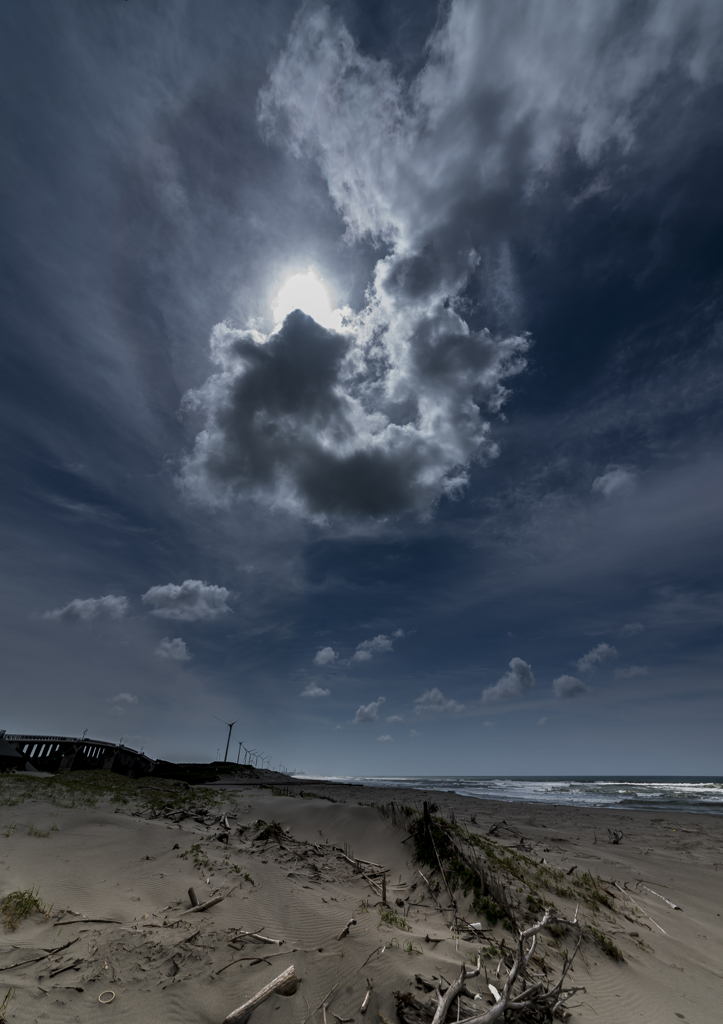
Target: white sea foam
x=698 y=794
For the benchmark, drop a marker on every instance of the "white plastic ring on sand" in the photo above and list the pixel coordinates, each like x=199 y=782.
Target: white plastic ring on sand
x=108 y=993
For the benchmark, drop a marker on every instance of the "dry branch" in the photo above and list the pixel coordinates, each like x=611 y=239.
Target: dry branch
x=367 y=997
x=37 y=959
x=345 y=930
x=533 y=996
x=286 y=984
x=204 y=906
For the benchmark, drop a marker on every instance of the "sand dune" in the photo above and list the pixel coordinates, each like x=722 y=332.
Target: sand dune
x=167 y=965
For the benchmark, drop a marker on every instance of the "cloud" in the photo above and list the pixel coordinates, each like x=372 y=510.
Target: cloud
x=87 y=609
x=615 y=481
x=369 y=712
x=597 y=656
x=568 y=686
x=398 y=633
x=325 y=656
x=314 y=690
x=367 y=648
x=175 y=650
x=512 y=685
x=488 y=725
x=394 y=719
x=189 y=602
x=384 y=739
x=388 y=415
x=119 y=701
x=631 y=672
x=632 y=629
x=435 y=702
x=542 y=721
x=413 y=732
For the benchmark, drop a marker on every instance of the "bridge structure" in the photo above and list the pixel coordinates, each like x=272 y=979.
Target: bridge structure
x=70 y=754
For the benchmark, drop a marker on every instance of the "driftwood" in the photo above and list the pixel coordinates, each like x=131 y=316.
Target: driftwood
x=345 y=930
x=615 y=836
x=260 y=938
x=204 y=906
x=626 y=893
x=90 y=920
x=193 y=897
x=533 y=996
x=37 y=959
x=367 y=997
x=358 y=860
x=663 y=898
x=286 y=984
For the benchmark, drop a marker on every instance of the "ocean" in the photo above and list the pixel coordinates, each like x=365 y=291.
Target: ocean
x=697 y=794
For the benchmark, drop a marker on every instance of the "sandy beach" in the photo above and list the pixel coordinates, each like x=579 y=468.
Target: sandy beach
x=112 y=861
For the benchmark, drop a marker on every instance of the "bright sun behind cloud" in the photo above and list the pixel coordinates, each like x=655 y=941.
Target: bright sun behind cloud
x=309 y=293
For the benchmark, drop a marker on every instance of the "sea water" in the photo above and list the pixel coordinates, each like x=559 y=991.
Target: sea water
x=699 y=794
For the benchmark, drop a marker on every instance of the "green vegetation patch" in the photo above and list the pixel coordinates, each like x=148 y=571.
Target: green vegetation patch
x=389 y=917
x=18 y=905
x=94 y=787
x=607 y=945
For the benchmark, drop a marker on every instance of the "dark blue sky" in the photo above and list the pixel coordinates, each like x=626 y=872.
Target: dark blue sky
x=469 y=523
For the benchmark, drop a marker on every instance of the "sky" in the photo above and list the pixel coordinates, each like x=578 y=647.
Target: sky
x=361 y=382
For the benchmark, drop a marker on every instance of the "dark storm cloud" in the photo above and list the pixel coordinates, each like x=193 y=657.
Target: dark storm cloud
x=442 y=171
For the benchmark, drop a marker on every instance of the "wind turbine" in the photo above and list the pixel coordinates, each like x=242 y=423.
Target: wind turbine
x=230 y=727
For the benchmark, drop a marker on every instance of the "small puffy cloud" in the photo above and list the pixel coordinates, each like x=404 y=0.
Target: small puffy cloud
x=325 y=656
x=542 y=722
x=174 y=650
x=512 y=684
x=434 y=700
x=616 y=480
x=368 y=648
x=597 y=656
x=398 y=633
x=632 y=629
x=568 y=686
x=413 y=732
x=86 y=609
x=314 y=690
x=191 y=601
x=384 y=739
x=369 y=712
x=631 y=672
x=120 y=702
x=395 y=719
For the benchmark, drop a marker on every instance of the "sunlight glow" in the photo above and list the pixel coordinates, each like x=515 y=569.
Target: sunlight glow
x=309 y=293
